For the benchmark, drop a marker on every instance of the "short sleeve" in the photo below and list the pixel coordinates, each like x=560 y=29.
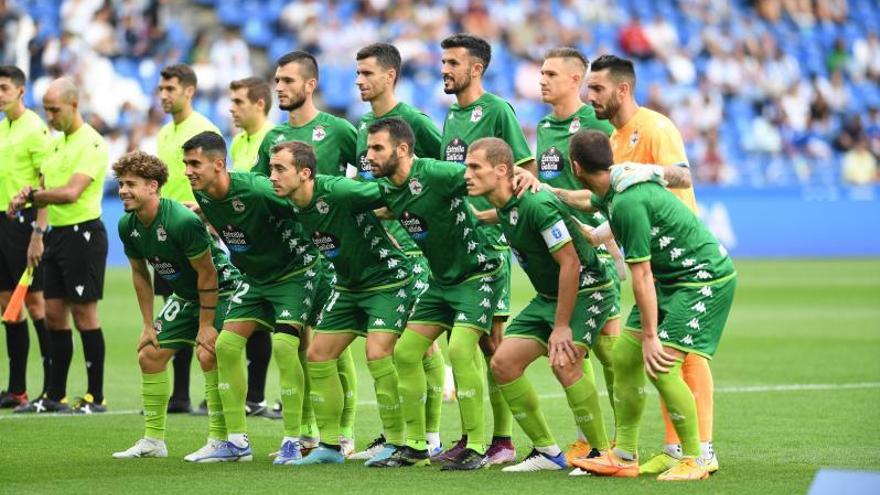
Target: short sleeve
x=39 y=146
x=261 y=166
x=362 y=196
x=546 y=218
x=347 y=142
x=93 y=159
x=427 y=137
x=130 y=249
x=508 y=129
x=667 y=146
x=631 y=224
x=190 y=235
x=450 y=175
x=277 y=205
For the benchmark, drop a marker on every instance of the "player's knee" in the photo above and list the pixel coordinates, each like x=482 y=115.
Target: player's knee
x=35 y=305
x=150 y=360
x=569 y=373
x=375 y=353
x=207 y=360
x=85 y=317
x=505 y=368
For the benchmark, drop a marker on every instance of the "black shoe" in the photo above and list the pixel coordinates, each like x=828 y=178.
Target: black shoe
x=176 y=406
x=88 y=405
x=468 y=460
x=404 y=457
x=202 y=410
x=43 y=405
x=8 y=400
x=261 y=409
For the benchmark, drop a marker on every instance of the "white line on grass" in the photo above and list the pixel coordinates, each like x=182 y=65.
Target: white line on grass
x=747 y=389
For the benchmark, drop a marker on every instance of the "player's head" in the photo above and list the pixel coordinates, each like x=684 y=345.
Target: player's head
x=465 y=59
x=293 y=164
x=204 y=156
x=378 y=67
x=61 y=104
x=489 y=163
x=590 y=156
x=140 y=177
x=251 y=99
x=388 y=142
x=296 y=77
x=562 y=74
x=611 y=82
x=12 y=81
x=177 y=85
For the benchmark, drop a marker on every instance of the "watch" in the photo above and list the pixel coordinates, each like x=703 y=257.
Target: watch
x=39 y=230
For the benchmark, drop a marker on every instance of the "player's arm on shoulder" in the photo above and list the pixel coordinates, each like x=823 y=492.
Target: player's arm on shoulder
x=208 y=286
x=579 y=199
x=677 y=176
x=362 y=196
x=489 y=216
x=669 y=150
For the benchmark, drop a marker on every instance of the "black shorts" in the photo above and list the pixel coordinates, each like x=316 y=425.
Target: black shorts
x=14 y=238
x=75 y=261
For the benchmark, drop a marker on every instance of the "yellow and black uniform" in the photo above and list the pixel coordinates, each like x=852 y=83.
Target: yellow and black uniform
x=76 y=246
x=24 y=144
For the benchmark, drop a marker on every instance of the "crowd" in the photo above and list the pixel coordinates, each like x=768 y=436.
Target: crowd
x=768 y=92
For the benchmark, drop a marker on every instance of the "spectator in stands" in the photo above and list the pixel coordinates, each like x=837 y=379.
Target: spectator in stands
x=849 y=133
x=859 y=164
x=872 y=130
x=230 y=57
x=662 y=36
x=711 y=167
x=866 y=58
x=838 y=57
x=634 y=41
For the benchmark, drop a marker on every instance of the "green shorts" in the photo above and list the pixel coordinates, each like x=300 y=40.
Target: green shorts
x=178 y=322
x=592 y=309
x=691 y=318
x=380 y=310
x=323 y=290
x=502 y=307
x=421 y=272
x=288 y=300
x=471 y=303
x=612 y=271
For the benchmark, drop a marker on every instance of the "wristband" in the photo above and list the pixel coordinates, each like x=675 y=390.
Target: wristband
x=207 y=308
x=213 y=289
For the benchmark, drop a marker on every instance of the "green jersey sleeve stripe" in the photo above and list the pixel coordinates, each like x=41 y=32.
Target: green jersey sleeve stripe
x=637 y=260
x=197 y=256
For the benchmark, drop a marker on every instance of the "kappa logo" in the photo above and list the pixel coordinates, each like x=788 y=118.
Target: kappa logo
x=161 y=235
x=575 y=126
x=415 y=187
x=285 y=314
x=378 y=322
x=135 y=234
x=700 y=307
x=477 y=114
x=694 y=323
x=279 y=138
x=675 y=253
x=322 y=206
x=237 y=205
x=319 y=133
x=688 y=340
x=706 y=291
x=514 y=216
x=663 y=335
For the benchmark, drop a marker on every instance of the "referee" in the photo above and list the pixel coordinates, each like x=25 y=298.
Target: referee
x=24 y=144
x=75 y=247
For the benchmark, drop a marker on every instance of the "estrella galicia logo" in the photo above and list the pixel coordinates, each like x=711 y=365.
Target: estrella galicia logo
x=235 y=239
x=326 y=243
x=364 y=168
x=165 y=269
x=414 y=225
x=456 y=151
x=550 y=164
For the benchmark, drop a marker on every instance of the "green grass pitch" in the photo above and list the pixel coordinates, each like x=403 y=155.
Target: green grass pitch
x=797 y=383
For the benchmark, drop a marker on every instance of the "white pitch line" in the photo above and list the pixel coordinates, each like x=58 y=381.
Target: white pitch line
x=746 y=389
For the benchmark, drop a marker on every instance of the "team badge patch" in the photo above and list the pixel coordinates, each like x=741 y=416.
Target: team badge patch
x=319 y=133
x=575 y=126
x=161 y=235
x=477 y=114
x=634 y=138
x=514 y=216
x=322 y=206
x=415 y=187
x=237 y=205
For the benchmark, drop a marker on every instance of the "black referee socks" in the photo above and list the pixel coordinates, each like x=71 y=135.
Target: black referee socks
x=17 y=344
x=93 y=352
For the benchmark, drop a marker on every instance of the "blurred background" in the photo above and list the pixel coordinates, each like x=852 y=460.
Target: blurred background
x=778 y=101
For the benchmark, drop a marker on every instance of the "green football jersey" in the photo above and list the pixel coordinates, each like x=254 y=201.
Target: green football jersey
x=488 y=116
x=24 y=144
x=170 y=143
x=174 y=238
x=427 y=145
x=652 y=224
x=431 y=206
x=263 y=239
x=333 y=138
x=552 y=152
x=342 y=225
x=536 y=226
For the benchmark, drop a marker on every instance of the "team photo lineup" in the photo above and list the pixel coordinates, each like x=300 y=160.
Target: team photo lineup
x=290 y=241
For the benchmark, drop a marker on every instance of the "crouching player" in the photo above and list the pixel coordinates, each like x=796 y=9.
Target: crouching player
x=683 y=283
x=176 y=243
x=575 y=297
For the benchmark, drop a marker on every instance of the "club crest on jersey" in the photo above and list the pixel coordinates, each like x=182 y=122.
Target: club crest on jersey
x=514 y=216
x=477 y=114
x=415 y=187
x=161 y=235
x=322 y=206
x=634 y=138
x=319 y=133
x=575 y=126
x=237 y=205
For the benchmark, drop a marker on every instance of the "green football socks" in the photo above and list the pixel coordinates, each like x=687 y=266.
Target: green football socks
x=524 y=406
x=232 y=383
x=308 y=423
x=583 y=399
x=464 y=351
x=435 y=375
x=327 y=398
x=604 y=350
x=386 y=384
x=348 y=375
x=216 y=421
x=408 y=354
x=155 y=391
x=629 y=392
x=285 y=348
x=502 y=418
x=682 y=408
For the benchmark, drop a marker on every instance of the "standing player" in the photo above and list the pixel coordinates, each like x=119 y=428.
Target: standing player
x=251 y=99
x=683 y=282
x=372 y=296
x=76 y=248
x=429 y=198
x=24 y=144
x=177 y=86
x=378 y=68
x=562 y=77
x=576 y=295
x=333 y=138
x=279 y=277
x=478 y=114
x=175 y=242
x=644 y=136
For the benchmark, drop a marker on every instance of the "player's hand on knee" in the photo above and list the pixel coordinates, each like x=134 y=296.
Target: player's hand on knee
x=207 y=338
x=560 y=347
x=148 y=337
x=657 y=360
